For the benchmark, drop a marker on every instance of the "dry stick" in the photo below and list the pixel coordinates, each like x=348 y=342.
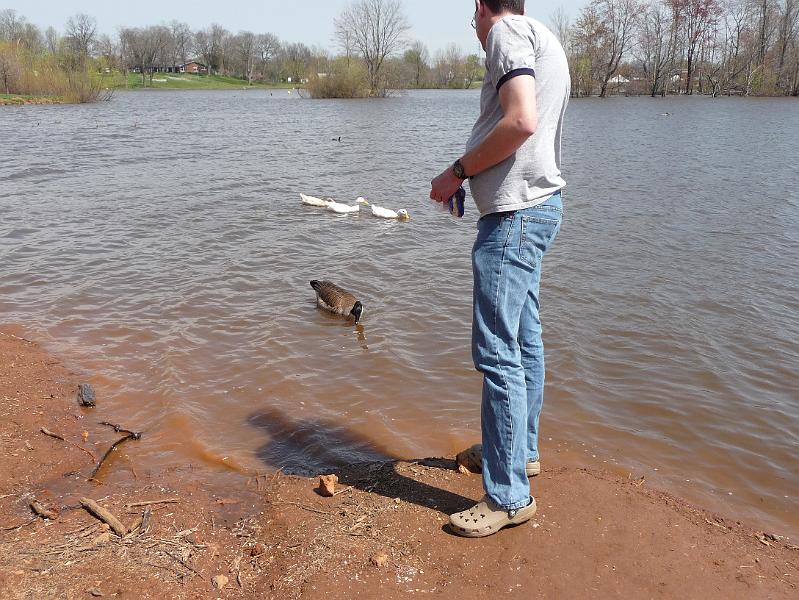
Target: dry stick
x=105 y=516
x=46 y=431
x=45 y=513
x=120 y=429
x=151 y=502
x=19 y=526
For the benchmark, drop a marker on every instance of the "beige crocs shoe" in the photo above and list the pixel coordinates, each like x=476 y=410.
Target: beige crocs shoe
x=471 y=459
x=487 y=518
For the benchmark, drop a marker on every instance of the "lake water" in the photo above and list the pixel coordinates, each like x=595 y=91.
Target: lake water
x=158 y=241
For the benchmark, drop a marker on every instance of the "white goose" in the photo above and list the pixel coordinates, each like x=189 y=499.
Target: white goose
x=387 y=213
x=343 y=209
x=313 y=201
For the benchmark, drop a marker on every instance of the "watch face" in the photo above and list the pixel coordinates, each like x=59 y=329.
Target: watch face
x=457 y=168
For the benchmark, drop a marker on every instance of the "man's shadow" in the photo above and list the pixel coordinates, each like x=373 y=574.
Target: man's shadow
x=311 y=447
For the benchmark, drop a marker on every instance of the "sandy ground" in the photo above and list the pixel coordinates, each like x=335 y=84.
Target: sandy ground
x=383 y=536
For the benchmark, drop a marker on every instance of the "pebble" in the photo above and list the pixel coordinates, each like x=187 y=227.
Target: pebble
x=220 y=581
x=379 y=560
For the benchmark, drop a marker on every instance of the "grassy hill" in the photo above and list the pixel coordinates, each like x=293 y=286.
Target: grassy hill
x=183 y=81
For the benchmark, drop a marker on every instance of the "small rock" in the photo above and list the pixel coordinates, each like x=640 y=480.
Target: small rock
x=258 y=549
x=220 y=581
x=327 y=485
x=86 y=395
x=379 y=560
x=95 y=592
x=85 y=435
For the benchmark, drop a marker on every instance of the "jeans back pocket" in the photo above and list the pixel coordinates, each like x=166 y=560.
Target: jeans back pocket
x=538 y=229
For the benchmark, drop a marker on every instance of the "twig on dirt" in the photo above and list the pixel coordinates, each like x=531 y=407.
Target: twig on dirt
x=16 y=527
x=182 y=562
x=151 y=502
x=45 y=513
x=105 y=516
x=46 y=431
x=308 y=508
x=49 y=433
x=719 y=525
x=7 y=496
x=81 y=530
x=344 y=490
x=129 y=435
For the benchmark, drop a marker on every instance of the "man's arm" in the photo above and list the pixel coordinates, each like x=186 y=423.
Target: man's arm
x=518 y=123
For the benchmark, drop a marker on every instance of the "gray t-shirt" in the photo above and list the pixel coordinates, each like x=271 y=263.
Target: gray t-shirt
x=519 y=45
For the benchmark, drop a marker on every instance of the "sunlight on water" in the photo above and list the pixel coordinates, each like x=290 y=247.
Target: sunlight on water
x=172 y=260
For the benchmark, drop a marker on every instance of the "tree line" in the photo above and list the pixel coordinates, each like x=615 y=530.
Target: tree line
x=377 y=62
x=659 y=47
x=654 y=47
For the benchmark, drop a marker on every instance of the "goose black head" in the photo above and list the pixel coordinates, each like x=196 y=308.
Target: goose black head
x=357 y=311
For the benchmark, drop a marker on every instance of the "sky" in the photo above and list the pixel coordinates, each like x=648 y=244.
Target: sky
x=437 y=23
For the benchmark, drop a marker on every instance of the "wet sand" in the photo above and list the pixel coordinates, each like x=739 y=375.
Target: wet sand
x=597 y=535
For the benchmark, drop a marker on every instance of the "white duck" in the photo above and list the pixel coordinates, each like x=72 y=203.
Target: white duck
x=387 y=213
x=343 y=209
x=313 y=201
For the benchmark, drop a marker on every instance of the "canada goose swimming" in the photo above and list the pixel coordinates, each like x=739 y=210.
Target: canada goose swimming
x=387 y=213
x=338 y=207
x=313 y=201
x=337 y=300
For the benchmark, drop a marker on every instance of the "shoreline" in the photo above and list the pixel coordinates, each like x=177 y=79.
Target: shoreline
x=596 y=534
x=24 y=100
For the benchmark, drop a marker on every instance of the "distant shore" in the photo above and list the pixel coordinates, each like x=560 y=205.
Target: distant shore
x=595 y=536
x=18 y=99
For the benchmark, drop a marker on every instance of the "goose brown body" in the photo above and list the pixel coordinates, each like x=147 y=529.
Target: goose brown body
x=336 y=299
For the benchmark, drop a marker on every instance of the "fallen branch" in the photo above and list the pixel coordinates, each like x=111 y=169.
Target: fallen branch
x=129 y=435
x=45 y=513
x=120 y=429
x=105 y=516
x=46 y=431
x=151 y=502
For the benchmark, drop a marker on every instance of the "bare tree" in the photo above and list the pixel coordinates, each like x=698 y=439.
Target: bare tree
x=246 y=54
x=656 y=47
x=210 y=43
x=9 y=69
x=144 y=47
x=561 y=25
x=619 y=19
x=10 y=25
x=296 y=60
x=52 y=40
x=181 y=42
x=696 y=17
x=81 y=32
x=267 y=46
x=377 y=29
x=417 y=56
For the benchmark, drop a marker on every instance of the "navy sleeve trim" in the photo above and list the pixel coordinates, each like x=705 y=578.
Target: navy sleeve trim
x=515 y=73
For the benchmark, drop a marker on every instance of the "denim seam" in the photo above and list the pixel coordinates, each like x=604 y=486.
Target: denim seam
x=507 y=459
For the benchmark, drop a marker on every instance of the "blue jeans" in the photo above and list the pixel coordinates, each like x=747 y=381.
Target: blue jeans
x=506 y=342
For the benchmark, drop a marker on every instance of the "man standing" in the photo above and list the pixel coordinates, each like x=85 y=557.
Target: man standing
x=512 y=162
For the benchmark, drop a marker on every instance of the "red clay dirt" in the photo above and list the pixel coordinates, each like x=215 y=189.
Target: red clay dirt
x=383 y=535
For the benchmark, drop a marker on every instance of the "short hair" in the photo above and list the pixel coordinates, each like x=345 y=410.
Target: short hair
x=498 y=6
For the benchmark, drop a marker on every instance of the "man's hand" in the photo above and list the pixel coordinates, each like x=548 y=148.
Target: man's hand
x=445 y=185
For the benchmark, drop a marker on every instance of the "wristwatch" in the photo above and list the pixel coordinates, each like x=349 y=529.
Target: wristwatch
x=458 y=170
